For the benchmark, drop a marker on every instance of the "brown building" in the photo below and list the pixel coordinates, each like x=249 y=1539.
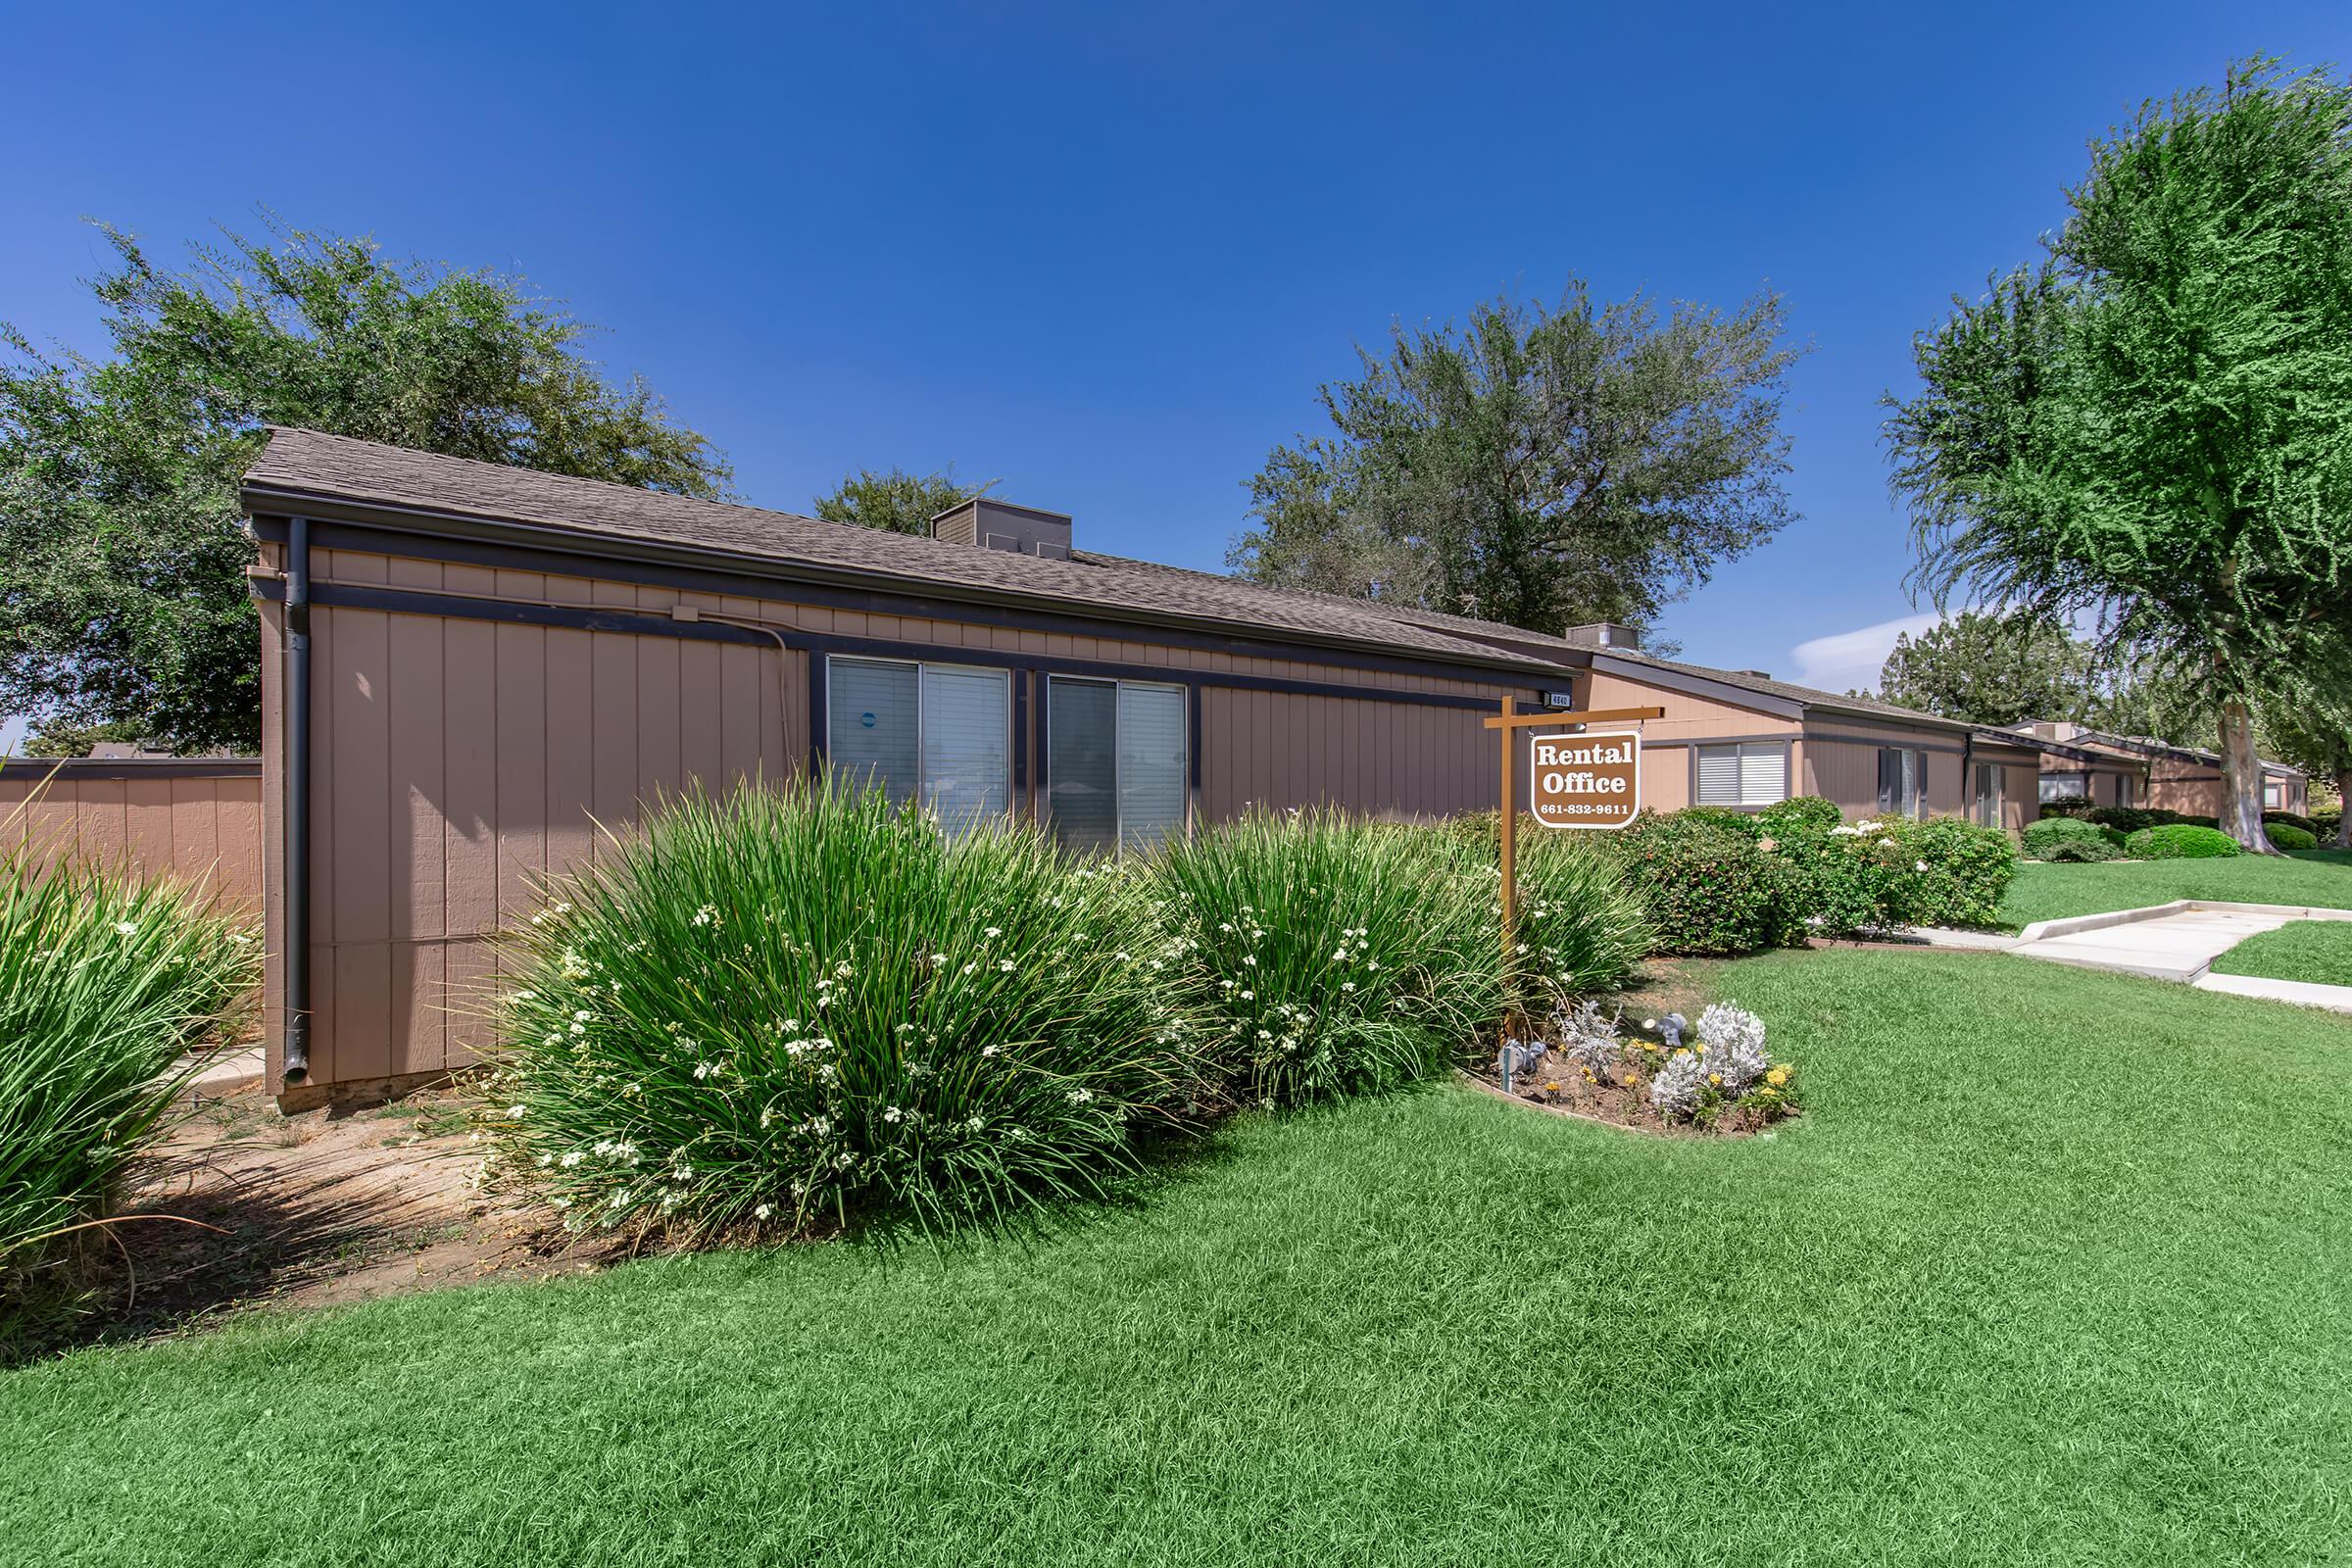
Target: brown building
x=467 y=667
x=2106 y=769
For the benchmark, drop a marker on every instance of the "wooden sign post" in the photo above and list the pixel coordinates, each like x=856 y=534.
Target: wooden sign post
x=1602 y=790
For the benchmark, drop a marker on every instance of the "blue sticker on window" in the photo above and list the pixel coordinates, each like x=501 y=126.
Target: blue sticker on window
x=867 y=720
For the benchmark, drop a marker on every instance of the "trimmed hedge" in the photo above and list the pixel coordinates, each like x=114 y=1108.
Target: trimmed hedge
x=2083 y=850
x=2284 y=837
x=2179 y=841
x=2045 y=835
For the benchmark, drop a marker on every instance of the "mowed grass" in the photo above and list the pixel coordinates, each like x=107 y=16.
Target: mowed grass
x=2054 y=1271
x=2318 y=951
x=2045 y=891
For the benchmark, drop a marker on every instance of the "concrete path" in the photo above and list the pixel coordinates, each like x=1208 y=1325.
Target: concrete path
x=2168 y=946
x=2178 y=941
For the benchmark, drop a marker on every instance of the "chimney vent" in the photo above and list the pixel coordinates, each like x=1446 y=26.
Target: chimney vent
x=1002 y=525
x=1604 y=634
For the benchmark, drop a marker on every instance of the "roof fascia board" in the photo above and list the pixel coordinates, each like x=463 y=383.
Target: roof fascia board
x=1674 y=680
x=266 y=501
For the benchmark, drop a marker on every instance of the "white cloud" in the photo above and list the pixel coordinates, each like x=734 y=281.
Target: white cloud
x=1851 y=660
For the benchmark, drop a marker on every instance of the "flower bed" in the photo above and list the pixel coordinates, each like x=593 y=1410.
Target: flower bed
x=1722 y=1078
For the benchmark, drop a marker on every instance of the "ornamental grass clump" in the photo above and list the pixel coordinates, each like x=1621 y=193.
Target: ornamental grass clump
x=105 y=985
x=1338 y=956
x=805 y=1005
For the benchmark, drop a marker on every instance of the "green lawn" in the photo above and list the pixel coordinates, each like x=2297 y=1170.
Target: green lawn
x=2319 y=950
x=2021 y=1288
x=2049 y=892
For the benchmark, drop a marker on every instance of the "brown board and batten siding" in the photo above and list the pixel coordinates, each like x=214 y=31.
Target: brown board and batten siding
x=459 y=755
x=1690 y=719
x=197 y=820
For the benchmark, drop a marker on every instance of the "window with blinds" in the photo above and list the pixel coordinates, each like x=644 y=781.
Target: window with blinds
x=874 y=724
x=967 y=744
x=1151 y=772
x=1902 y=781
x=1116 y=772
x=1748 y=774
x=1989 y=794
x=943 y=729
x=1082 y=768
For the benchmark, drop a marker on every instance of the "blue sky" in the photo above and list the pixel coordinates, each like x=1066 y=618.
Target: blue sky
x=1105 y=255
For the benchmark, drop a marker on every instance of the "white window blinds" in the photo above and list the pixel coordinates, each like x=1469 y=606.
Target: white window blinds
x=1151 y=770
x=1751 y=774
x=967 y=744
x=943 y=729
x=873 y=718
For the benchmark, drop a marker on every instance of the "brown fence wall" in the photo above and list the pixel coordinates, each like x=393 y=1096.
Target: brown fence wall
x=457 y=759
x=194 y=820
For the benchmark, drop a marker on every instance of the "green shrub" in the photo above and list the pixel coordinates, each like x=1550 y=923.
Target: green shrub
x=1338 y=956
x=1879 y=875
x=2286 y=836
x=1799 y=813
x=1961 y=869
x=1710 y=885
x=2179 y=841
x=1584 y=928
x=104 y=986
x=797 y=1005
x=2081 y=850
x=2293 y=819
x=2045 y=835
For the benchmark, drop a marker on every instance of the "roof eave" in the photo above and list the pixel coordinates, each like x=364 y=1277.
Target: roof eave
x=266 y=497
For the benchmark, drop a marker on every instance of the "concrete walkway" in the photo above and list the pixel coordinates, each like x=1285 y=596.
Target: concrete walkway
x=2178 y=941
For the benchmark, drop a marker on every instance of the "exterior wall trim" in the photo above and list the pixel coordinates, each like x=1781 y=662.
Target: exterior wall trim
x=127 y=768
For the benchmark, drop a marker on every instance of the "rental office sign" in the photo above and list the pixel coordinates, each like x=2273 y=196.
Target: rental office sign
x=1591 y=779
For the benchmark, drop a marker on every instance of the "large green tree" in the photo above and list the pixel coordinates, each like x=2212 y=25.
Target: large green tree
x=2154 y=423
x=123 y=598
x=896 y=500
x=1990 y=668
x=1539 y=465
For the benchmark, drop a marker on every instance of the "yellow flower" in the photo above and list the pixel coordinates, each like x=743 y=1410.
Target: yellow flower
x=1714 y=1077
x=1776 y=1077
x=1771 y=1094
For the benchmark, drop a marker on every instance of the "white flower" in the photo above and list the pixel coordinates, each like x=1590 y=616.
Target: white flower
x=707 y=915
x=763 y=1211
x=892 y=1114
x=994 y=931
x=1079 y=1097
x=971 y=968
x=939 y=958
x=990 y=1050
x=1248 y=996
x=1918 y=865
x=1005 y=965
x=516 y=1112
x=1346 y=985
x=1340 y=956
x=128 y=928
x=1250 y=959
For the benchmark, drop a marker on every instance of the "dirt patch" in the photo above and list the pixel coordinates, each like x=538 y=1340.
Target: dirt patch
x=316 y=1209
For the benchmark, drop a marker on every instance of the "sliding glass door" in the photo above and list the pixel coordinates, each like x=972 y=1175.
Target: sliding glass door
x=1117 y=773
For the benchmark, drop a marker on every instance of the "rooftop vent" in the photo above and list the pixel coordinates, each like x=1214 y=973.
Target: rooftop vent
x=1604 y=634
x=1002 y=525
x=1757 y=675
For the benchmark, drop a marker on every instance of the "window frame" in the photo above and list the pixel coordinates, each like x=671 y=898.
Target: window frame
x=921 y=790
x=1187 y=697
x=1785 y=745
x=1917 y=809
x=1987 y=804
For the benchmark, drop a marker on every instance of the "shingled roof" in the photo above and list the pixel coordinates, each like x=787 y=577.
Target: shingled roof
x=300 y=466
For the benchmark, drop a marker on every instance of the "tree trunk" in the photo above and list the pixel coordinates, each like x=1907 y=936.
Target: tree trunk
x=2343 y=804
x=2241 y=781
